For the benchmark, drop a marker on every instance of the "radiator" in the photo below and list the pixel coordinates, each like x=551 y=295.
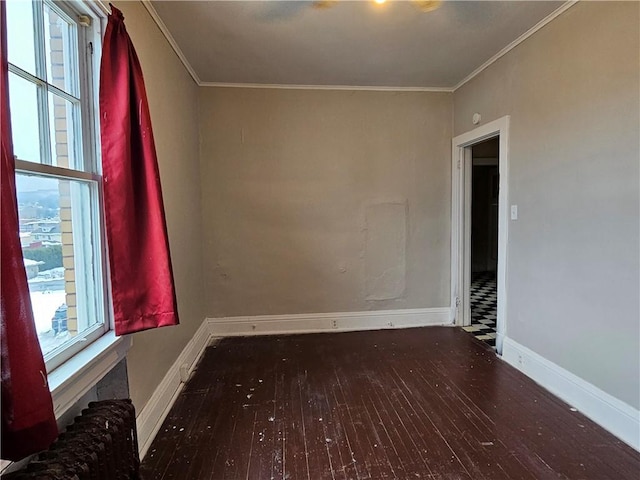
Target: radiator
x=100 y=444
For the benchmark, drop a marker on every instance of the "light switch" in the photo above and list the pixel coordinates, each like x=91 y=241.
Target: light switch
x=514 y=212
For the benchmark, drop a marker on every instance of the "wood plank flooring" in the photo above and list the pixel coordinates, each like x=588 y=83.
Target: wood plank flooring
x=429 y=403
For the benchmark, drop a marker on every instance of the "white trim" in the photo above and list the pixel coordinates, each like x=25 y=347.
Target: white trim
x=97 y=7
x=460 y=222
x=614 y=415
x=150 y=418
x=552 y=16
x=75 y=377
x=371 y=88
x=167 y=34
x=328 y=322
x=467 y=172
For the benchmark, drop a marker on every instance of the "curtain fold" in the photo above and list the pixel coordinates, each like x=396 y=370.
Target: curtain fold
x=141 y=275
x=28 y=422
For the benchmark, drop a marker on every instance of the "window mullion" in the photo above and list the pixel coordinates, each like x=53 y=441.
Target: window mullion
x=62 y=93
x=42 y=92
x=85 y=57
x=31 y=168
x=26 y=75
x=81 y=130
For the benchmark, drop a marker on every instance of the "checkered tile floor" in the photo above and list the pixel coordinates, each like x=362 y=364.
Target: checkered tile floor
x=483 y=307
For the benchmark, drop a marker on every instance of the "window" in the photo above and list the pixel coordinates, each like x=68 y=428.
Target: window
x=52 y=85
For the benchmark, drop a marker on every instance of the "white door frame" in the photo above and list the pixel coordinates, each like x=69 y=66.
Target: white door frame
x=461 y=223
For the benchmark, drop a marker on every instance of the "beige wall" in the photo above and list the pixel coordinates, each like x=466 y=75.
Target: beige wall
x=172 y=96
x=324 y=201
x=572 y=91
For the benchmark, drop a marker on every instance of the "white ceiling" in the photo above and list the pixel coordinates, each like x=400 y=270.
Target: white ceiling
x=351 y=44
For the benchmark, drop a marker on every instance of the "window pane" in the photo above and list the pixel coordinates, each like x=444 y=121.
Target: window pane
x=61 y=51
x=64 y=122
x=23 y=102
x=59 y=250
x=20 y=35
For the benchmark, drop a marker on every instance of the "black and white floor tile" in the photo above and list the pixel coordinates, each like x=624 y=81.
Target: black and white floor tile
x=483 y=307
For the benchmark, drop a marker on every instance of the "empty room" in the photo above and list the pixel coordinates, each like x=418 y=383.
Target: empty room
x=320 y=239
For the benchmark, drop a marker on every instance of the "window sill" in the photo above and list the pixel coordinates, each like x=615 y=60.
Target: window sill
x=75 y=377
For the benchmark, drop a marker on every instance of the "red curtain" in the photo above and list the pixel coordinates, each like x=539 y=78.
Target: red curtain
x=141 y=275
x=28 y=423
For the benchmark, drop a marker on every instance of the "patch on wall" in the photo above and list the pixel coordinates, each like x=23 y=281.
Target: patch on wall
x=385 y=250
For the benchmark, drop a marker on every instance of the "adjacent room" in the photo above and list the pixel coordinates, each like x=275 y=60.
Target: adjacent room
x=322 y=239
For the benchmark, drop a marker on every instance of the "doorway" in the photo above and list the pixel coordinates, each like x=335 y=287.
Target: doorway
x=483 y=295
x=479 y=248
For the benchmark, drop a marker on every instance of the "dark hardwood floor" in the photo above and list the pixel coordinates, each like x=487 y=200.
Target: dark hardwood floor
x=419 y=403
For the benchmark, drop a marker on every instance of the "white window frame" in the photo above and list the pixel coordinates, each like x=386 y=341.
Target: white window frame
x=72 y=375
x=90 y=172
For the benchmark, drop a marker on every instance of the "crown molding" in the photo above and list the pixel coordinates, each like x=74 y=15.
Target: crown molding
x=167 y=34
x=326 y=87
x=552 y=16
x=165 y=31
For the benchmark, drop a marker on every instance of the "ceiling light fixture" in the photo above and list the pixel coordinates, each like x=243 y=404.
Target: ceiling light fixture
x=427 y=5
x=422 y=5
x=322 y=4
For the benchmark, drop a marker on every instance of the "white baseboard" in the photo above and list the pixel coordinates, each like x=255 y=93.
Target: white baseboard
x=328 y=322
x=150 y=419
x=616 y=416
